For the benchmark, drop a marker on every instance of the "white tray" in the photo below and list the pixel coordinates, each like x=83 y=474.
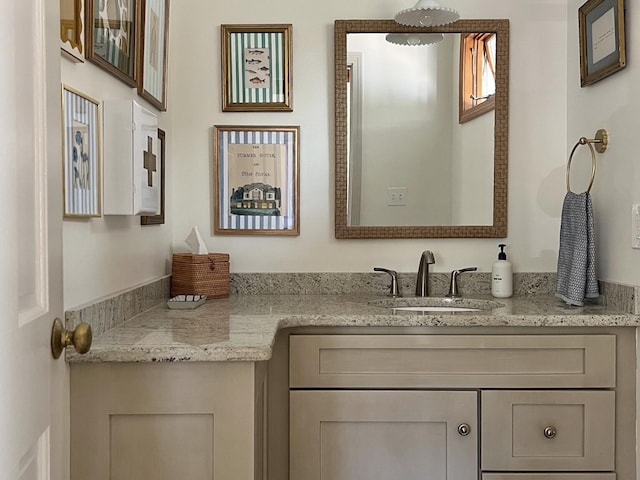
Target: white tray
x=186 y=302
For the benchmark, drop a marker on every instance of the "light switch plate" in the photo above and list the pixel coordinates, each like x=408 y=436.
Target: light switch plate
x=635 y=226
x=397 y=196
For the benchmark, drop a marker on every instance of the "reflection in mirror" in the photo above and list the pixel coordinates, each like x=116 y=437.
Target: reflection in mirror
x=405 y=166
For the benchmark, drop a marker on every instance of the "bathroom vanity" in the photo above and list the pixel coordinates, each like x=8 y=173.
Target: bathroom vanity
x=343 y=386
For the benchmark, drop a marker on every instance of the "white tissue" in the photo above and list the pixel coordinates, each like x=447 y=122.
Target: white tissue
x=196 y=243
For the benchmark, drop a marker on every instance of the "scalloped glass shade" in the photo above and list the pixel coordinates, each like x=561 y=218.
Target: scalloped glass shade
x=427 y=13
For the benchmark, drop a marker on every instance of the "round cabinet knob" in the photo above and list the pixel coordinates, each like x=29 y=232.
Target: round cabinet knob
x=550 y=432
x=464 y=429
x=80 y=338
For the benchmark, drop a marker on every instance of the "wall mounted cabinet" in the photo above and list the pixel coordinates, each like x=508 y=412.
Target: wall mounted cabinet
x=131 y=159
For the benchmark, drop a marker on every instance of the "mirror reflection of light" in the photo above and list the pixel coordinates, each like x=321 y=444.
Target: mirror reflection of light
x=414 y=39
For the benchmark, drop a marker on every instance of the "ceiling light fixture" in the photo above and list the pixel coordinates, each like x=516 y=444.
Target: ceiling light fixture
x=427 y=13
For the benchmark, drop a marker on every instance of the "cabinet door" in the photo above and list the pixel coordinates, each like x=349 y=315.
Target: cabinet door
x=409 y=435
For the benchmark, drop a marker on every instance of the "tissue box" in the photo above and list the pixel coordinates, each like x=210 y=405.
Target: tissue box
x=200 y=274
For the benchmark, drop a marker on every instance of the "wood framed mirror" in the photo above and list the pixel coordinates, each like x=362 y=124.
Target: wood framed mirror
x=406 y=167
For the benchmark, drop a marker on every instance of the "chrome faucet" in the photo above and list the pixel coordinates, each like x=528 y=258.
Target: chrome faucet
x=394 y=288
x=453 y=286
x=422 y=282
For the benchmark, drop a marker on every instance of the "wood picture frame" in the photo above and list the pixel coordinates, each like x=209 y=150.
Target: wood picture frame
x=81 y=153
x=72 y=29
x=256 y=181
x=602 y=39
x=256 y=68
x=159 y=219
x=154 y=29
x=112 y=42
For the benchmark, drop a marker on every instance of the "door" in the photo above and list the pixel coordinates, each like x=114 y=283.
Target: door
x=368 y=434
x=33 y=387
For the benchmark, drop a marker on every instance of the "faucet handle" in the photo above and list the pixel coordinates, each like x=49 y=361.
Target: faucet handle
x=394 y=288
x=453 y=285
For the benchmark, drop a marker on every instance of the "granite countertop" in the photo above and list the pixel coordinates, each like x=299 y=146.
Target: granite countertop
x=243 y=327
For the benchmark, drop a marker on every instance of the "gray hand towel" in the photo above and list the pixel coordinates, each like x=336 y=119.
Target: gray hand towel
x=576 y=278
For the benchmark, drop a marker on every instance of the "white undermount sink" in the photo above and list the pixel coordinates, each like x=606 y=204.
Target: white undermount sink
x=435 y=304
x=436 y=309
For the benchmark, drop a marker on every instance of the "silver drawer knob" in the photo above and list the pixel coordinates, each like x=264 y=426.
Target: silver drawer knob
x=464 y=429
x=549 y=432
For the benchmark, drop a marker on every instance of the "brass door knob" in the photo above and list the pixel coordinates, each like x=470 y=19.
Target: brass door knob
x=61 y=338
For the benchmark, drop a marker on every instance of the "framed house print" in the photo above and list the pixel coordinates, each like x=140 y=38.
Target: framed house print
x=81 y=154
x=602 y=39
x=72 y=29
x=158 y=219
x=256 y=180
x=112 y=35
x=152 y=78
x=256 y=68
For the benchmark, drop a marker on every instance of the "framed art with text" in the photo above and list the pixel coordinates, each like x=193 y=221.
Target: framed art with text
x=256 y=68
x=256 y=180
x=81 y=154
x=602 y=39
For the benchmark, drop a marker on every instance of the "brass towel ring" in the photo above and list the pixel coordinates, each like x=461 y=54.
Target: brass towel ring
x=601 y=141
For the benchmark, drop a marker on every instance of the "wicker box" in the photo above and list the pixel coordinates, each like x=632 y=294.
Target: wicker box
x=200 y=274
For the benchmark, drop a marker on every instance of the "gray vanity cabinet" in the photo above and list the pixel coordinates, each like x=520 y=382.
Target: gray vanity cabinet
x=168 y=421
x=460 y=407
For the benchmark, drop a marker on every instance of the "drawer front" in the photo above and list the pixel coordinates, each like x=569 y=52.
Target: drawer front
x=548 y=430
x=549 y=476
x=442 y=361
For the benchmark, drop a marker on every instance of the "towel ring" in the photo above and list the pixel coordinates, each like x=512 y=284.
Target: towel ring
x=601 y=141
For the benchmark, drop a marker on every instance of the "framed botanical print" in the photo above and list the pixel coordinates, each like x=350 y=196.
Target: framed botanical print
x=256 y=68
x=81 y=154
x=112 y=35
x=152 y=78
x=256 y=180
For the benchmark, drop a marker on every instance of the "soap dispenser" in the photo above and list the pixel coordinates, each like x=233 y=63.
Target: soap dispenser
x=501 y=276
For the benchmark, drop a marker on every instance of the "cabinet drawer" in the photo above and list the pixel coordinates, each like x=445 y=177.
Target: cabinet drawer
x=549 y=476
x=581 y=435
x=441 y=361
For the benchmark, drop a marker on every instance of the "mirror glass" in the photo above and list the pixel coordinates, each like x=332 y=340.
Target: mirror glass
x=406 y=167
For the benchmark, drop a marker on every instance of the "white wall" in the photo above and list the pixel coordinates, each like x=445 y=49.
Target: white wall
x=538 y=136
x=612 y=103
x=112 y=253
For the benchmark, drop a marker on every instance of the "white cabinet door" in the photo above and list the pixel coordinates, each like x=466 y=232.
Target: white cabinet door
x=34 y=413
x=409 y=435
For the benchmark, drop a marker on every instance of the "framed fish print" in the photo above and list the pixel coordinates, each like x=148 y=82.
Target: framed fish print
x=111 y=37
x=256 y=180
x=152 y=78
x=81 y=154
x=256 y=68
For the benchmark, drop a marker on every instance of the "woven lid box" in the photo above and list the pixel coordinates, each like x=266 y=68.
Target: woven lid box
x=200 y=274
